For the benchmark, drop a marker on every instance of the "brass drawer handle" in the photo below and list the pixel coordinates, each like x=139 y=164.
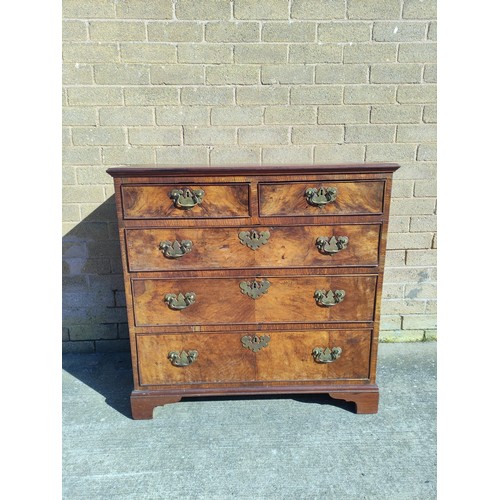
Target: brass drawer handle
x=183 y=358
x=318 y=197
x=254 y=289
x=253 y=239
x=187 y=198
x=326 y=355
x=254 y=342
x=174 y=250
x=332 y=245
x=330 y=298
x=180 y=301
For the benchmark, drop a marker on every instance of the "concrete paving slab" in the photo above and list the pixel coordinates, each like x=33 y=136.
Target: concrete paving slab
x=273 y=447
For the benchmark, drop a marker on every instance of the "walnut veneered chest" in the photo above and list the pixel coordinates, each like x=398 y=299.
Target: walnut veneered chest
x=253 y=280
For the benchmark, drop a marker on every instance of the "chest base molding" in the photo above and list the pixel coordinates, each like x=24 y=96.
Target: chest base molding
x=364 y=397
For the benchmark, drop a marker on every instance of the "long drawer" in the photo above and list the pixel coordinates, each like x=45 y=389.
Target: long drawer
x=173 y=249
x=276 y=356
x=212 y=301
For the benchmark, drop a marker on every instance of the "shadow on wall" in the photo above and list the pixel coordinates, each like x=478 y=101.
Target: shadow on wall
x=94 y=312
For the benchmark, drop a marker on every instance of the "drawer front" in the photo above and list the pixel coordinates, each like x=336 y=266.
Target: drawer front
x=229 y=300
x=158 y=201
x=230 y=248
x=282 y=356
x=347 y=198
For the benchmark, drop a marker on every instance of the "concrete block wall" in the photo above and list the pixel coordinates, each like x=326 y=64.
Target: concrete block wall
x=177 y=82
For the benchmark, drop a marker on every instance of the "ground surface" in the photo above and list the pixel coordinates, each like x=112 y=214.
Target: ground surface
x=286 y=447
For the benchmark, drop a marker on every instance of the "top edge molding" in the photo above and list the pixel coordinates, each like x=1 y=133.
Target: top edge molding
x=158 y=170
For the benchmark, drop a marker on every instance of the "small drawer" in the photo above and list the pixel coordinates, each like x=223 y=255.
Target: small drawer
x=186 y=201
x=246 y=247
x=266 y=356
x=321 y=198
x=222 y=301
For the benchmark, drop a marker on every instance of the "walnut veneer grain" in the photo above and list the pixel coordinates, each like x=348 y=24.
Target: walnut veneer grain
x=219 y=300
x=352 y=198
x=153 y=201
x=220 y=248
x=222 y=358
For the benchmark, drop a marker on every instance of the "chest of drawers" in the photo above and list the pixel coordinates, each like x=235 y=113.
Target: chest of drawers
x=253 y=280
